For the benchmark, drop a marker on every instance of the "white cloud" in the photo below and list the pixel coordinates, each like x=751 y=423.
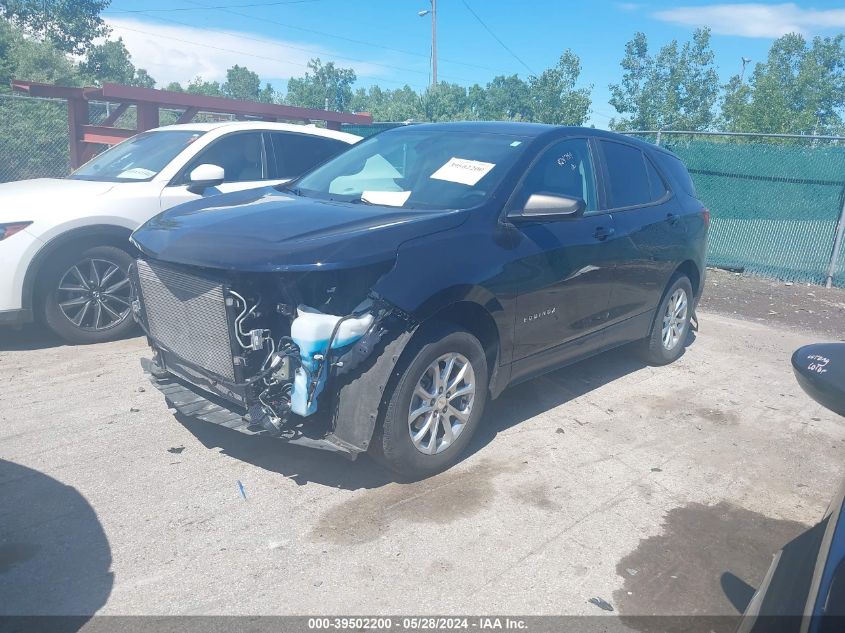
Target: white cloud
x=756 y=20
x=180 y=53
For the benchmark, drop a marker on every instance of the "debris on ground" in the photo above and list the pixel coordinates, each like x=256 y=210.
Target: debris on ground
x=560 y=430
x=241 y=488
x=175 y=449
x=601 y=604
x=134 y=409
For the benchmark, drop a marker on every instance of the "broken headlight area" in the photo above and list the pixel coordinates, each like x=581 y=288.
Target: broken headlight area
x=267 y=344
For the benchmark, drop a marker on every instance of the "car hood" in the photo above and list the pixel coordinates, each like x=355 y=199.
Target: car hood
x=265 y=230
x=28 y=199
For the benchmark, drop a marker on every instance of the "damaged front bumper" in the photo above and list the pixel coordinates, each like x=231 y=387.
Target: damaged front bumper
x=188 y=401
x=249 y=354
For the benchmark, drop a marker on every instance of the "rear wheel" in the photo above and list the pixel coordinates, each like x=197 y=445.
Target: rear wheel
x=436 y=406
x=671 y=324
x=86 y=295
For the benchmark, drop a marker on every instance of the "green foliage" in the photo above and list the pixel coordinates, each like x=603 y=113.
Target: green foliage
x=799 y=89
x=69 y=26
x=676 y=89
x=323 y=83
x=110 y=61
x=199 y=86
x=241 y=83
x=554 y=97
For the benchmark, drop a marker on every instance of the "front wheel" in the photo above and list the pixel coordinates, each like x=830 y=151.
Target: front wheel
x=436 y=406
x=86 y=295
x=671 y=324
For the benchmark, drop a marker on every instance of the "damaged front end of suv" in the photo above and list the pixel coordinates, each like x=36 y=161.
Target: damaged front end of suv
x=265 y=346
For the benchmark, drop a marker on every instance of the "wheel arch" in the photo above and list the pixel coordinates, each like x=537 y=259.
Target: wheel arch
x=94 y=235
x=692 y=271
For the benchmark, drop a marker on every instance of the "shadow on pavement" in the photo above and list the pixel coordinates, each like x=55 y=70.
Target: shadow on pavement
x=516 y=405
x=55 y=558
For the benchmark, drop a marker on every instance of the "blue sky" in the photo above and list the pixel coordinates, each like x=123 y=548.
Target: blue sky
x=387 y=43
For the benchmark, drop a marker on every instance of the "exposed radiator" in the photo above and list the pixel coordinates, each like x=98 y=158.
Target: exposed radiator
x=187 y=315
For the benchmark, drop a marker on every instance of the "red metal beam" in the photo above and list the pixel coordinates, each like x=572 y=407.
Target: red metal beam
x=104 y=134
x=166 y=98
x=115 y=114
x=188 y=115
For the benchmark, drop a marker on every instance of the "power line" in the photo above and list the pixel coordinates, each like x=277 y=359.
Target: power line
x=230 y=6
x=496 y=37
x=238 y=52
x=292 y=47
x=350 y=39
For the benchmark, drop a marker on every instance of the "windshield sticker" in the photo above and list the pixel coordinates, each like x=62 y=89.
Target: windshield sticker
x=463 y=171
x=386 y=198
x=516 y=143
x=136 y=173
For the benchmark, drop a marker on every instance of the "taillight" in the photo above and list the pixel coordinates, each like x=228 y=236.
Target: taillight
x=705 y=215
x=10 y=228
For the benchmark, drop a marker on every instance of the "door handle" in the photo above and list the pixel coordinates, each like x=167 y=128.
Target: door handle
x=602 y=233
x=672 y=218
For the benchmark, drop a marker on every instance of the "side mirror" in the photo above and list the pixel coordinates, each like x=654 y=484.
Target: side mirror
x=204 y=176
x=547 y=206
x=820 y=370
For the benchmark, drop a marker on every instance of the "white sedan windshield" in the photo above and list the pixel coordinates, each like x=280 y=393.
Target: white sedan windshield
x=138 y=158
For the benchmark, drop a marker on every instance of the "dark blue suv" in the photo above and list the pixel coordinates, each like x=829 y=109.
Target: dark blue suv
x=377 y=302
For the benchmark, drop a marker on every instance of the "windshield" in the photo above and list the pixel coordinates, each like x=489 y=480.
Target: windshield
x=416 y=169
x=138 y=158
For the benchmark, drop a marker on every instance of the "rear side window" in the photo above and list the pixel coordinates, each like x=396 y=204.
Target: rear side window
x=297 y=153
x=678 y=171
x=655 y=180
x=627 y=179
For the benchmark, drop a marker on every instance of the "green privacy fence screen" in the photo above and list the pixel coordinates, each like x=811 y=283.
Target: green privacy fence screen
x=775 y=202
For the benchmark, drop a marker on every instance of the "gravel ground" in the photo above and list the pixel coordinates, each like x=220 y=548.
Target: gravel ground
x=802 y=307
x=649 y=490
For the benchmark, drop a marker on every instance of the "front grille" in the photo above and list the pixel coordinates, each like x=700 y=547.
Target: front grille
x=186 y=314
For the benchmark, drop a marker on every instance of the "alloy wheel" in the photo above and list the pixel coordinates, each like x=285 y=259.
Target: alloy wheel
x=675 y=319
x=442 y=403
x=94 y=295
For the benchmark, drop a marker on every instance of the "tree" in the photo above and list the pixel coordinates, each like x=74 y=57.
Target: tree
x=554 y=98
x=110 y=61
x=241 y=83
x=799 y=89
x=402 y=104
x=507 y=97
x=325 y=83
x=199 y=86
x=34 y=60
x=677 y=88
x=70 y=26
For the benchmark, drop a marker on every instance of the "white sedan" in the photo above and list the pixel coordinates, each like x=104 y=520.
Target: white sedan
x=64 y=249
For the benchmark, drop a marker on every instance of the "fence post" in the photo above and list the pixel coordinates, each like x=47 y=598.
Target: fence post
x=837 y=245
x=657 y=140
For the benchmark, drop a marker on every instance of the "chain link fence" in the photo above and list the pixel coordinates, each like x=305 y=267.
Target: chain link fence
x=776 y=201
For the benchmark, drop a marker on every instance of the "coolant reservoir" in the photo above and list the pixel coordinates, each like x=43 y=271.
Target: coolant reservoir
x=311 y=331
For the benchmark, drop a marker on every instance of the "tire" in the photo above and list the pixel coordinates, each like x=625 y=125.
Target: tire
x=94 y=296
x=662 y=347
x=393 y=445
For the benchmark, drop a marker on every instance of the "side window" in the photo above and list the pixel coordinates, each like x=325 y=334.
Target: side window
x=241 y=155
x=565 y=169
x=297 y=153
x=627 y=181
x=655 y=180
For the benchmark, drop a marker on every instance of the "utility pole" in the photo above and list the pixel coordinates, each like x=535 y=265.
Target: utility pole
x=433 y=12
